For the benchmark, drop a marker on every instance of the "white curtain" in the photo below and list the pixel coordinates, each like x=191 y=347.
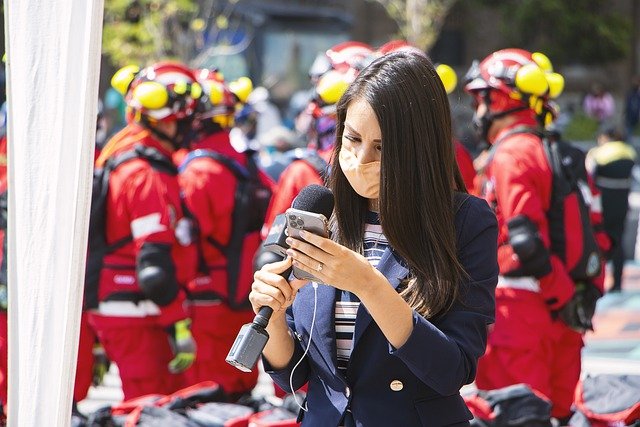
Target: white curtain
x=53 y=64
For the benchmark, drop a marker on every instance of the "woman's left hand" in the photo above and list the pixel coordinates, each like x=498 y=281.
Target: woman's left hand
x=332 y=263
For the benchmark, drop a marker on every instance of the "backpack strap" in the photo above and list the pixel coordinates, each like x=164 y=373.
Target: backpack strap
x=239 y=171
x=233 y=249
x=241 y=174
x=516 y=130
x=563 y=177
x=312 y=158
x=239 y=228
x=560 y=175
x=156 y=160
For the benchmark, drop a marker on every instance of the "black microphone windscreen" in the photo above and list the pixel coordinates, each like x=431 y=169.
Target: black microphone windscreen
x=315 y=198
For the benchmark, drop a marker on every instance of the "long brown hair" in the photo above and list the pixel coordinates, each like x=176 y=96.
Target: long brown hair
x=418 y=177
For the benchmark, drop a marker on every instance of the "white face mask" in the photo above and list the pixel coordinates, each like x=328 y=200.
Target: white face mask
x=364 y=178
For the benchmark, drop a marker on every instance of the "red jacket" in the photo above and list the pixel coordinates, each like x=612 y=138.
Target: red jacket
x=144 y=203
x=465 y=164
x=518 y=181
x=209 y=192
x=293 y=179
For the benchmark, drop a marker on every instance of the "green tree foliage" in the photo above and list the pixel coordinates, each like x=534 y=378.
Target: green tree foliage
x=143 y=31
x=570 y=31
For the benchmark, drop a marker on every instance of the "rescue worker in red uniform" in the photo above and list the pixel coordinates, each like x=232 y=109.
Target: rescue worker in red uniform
x=209 y=190
x=529 y=342
x=142 y=317
x=308 y=166
x=330 y=74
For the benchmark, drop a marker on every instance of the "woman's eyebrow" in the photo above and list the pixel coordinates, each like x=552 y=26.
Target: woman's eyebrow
x=352 y=130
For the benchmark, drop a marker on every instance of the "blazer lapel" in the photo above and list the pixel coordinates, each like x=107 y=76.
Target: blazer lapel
x=324 y=334
x=395 y=271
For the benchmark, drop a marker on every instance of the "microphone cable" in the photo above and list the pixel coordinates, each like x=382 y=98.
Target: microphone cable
x=306 y=350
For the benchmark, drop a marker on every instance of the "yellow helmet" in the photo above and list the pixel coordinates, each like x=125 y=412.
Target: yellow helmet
x=331 y=86
x=448 y=77
x=123 y=78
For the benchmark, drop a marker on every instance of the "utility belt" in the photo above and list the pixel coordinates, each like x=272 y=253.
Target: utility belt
x=208 y=297
x=526 y=283
x=205 y=288
x=128 y=305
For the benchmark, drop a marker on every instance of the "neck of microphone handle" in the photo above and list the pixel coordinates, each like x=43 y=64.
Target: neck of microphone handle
x=265 y=312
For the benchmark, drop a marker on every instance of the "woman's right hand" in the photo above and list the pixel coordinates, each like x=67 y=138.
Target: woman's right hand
x=269 y=288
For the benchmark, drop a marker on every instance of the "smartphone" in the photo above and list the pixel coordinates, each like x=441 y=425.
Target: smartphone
x=308 y=221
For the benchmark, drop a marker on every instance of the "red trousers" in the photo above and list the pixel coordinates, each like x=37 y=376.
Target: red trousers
x=84 y=370
x=527 y=346
x=140 y=348
x=4 y=339
x=214 y=328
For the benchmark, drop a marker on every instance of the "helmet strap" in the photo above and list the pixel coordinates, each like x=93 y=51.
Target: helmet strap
x=494 y=116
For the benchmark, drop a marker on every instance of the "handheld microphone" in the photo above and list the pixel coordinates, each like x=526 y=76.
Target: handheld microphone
x=253 y=336
x=275 y=242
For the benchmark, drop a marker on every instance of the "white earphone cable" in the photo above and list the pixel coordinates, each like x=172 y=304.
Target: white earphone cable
x=306 y=350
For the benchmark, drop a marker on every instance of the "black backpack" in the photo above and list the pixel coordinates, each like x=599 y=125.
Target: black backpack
x=571 y=232
x=98 y=247
x=252 y=198
x=307 y=155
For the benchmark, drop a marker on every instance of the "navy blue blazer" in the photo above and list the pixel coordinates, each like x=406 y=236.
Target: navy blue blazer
x=417 y=384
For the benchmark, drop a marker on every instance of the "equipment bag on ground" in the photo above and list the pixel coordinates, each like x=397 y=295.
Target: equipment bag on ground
x=515 y=405
x=607 y=400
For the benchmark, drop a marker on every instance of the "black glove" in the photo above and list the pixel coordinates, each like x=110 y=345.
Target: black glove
x=578 y=312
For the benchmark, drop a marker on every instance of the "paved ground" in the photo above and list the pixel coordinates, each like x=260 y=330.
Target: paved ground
x=614 y=346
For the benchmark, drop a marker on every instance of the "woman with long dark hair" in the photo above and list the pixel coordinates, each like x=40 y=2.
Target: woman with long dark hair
x=399 y=318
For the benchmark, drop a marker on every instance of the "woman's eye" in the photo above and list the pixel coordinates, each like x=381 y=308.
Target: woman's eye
x=352 y=138
x=379 y=147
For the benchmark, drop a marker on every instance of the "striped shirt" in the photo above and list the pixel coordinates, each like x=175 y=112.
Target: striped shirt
x=347 y=304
